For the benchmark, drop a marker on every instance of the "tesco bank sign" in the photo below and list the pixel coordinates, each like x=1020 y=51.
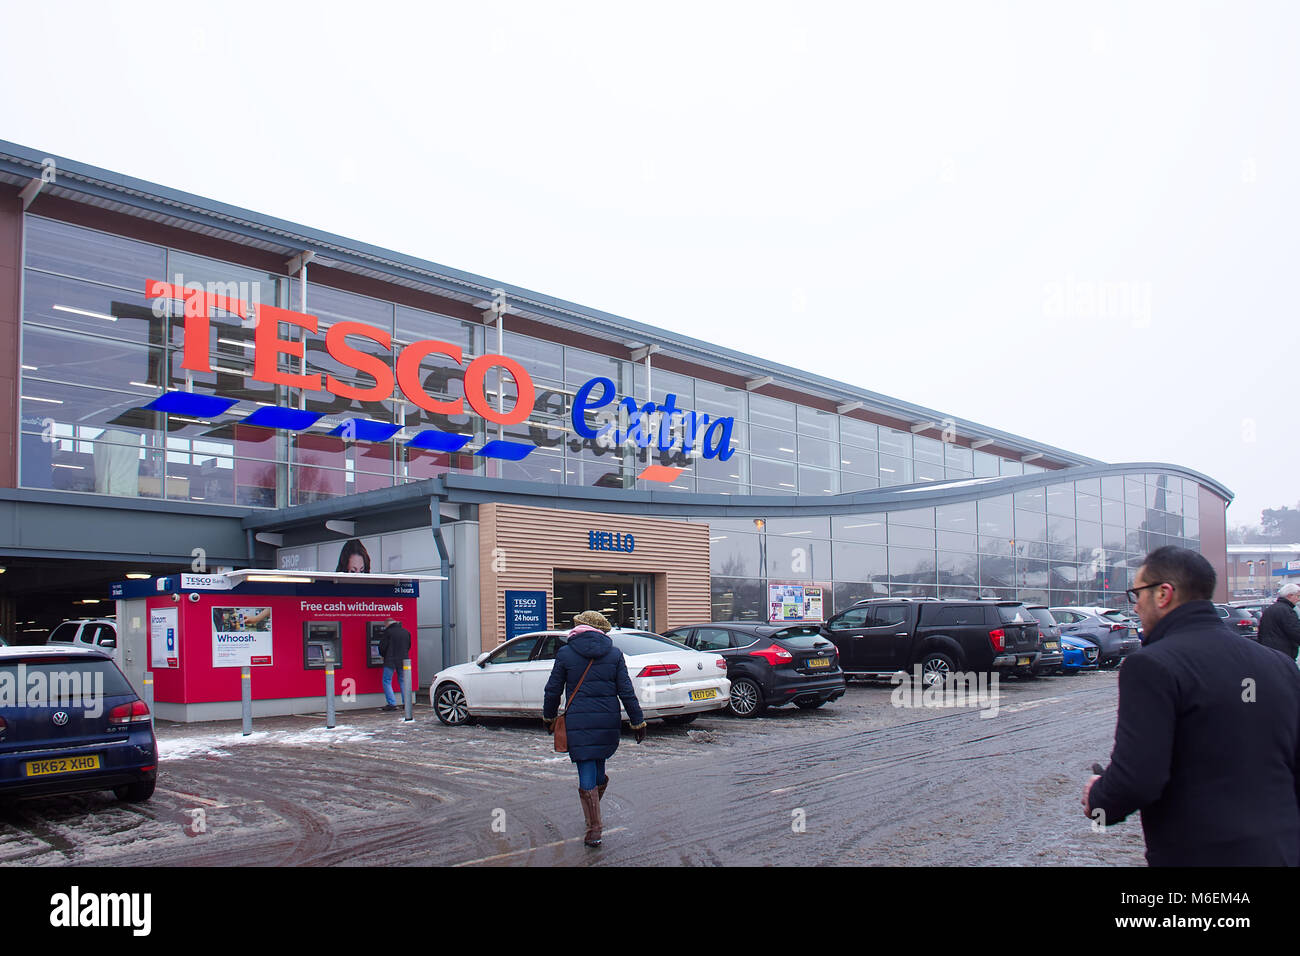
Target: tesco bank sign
x=626 y=421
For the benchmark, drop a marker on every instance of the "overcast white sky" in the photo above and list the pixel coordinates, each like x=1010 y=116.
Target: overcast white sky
x=927 y=200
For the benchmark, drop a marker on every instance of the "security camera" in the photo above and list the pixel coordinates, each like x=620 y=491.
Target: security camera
x=176 y=598
x=194 y=597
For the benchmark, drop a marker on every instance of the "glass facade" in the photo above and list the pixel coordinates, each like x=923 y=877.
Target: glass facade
x=1050 y=544
x=95 y=351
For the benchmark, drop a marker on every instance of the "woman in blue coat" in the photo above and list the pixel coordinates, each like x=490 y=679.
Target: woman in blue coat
x=592 y=720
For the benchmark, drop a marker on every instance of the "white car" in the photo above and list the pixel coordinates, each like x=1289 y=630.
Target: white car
x=671 y=681
x=98 y=632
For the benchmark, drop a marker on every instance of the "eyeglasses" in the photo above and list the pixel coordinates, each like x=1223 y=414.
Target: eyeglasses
x=1133 y=592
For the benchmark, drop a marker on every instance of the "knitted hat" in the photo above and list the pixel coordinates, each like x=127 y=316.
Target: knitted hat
x=593 y=619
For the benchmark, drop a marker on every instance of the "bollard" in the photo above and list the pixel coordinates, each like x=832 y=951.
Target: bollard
x=246 y=682
x=406 y=689
x=329 y=697
x=148 y=695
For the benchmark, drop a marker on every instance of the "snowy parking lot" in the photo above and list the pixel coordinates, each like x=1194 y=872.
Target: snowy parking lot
x=858 y=781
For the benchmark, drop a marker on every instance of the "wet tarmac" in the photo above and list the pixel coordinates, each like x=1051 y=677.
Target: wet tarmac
x=856 y=782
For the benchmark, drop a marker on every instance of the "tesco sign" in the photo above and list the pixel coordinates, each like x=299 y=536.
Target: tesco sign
x=646 y=423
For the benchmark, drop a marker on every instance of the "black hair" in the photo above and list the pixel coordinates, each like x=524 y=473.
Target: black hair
x=354 y=546
x=1191 y=575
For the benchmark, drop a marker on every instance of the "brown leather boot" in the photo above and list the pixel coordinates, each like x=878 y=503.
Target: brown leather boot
x=591 y=810
x=600 y=790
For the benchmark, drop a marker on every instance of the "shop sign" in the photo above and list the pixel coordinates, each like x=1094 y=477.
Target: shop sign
x=525 y=612
x=610 y=541
x=647 y=422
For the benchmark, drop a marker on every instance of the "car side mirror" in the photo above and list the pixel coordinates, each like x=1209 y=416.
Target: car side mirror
x=481 y=660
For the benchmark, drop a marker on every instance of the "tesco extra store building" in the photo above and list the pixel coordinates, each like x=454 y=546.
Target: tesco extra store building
x=185 y=384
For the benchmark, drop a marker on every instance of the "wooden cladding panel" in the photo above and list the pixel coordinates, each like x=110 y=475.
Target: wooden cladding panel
x=521 y=547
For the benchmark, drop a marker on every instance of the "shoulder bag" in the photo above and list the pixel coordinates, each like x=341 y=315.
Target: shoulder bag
x=561 y=735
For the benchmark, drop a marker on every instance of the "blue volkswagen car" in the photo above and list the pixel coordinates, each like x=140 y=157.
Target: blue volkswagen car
x=70 y=722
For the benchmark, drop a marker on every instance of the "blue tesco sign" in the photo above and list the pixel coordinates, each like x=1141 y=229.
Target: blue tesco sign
x=525 y=611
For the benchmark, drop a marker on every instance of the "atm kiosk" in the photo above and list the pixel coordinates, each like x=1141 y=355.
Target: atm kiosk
x=195 y=633
x=322 y=644
x=376 y=631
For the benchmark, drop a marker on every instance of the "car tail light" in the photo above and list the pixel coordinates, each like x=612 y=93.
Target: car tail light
x=1245 y=623
x=133 y=713
x=659 y=670
x=774 y=655
x=3 y=726
x=998 y=638
x=720 y=663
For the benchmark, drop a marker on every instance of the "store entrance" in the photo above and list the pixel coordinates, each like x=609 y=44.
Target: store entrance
x=625 y=599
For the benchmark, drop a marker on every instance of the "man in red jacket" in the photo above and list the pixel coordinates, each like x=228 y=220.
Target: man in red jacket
x=1208 y=732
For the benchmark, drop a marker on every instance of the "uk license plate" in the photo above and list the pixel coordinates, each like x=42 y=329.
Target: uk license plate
x=819 y=662
x=45 y=768
x=1052 y=646
x=704 y=694
x=1023 y=661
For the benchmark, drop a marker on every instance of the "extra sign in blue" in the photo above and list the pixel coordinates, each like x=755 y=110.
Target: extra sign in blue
x=525 y=611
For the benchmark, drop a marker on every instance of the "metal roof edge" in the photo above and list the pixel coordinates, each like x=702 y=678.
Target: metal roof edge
x=236 y=219
x=477 y=489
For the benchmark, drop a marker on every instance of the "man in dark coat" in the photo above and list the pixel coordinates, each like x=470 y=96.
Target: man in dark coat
x=395 y=648
x=1279 y=627
x=592 y=720
x=1208 y=731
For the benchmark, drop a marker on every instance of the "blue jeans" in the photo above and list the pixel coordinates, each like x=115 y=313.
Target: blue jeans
x=591 y=773
x=388 y=688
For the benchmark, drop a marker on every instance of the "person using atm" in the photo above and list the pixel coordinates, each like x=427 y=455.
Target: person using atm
x=394 y=647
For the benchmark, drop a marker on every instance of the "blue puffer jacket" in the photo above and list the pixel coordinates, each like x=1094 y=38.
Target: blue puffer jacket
x=592 y=722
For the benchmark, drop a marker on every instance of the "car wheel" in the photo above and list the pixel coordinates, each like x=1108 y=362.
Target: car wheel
x=746 y=698
x=450 y=706
x=808 y=704
x=680 y=719
x=935 y=668
x=135 y=792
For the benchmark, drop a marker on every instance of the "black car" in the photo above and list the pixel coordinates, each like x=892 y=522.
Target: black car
x=1240 y=620
x=770 y=664
x=1050 y=654
x=879 y=637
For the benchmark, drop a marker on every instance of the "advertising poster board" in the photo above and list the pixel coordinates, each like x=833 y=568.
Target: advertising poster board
x=241 y=636
x=794 y=604
x=164 y=646
x=355 y=555
x=525 y=611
